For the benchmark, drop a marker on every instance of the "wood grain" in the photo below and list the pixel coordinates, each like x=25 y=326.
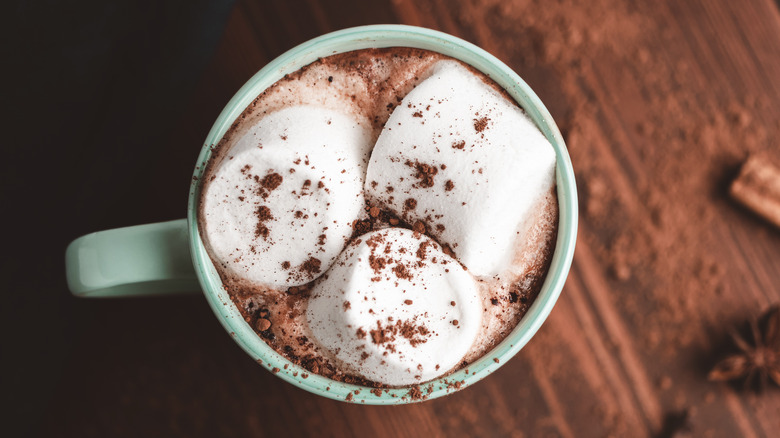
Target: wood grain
x=600 y=367
x=659 y=103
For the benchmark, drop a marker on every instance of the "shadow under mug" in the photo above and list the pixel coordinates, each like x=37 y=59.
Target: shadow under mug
x=170 y=257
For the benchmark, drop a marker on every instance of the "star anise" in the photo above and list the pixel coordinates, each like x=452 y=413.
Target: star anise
x=761 y=359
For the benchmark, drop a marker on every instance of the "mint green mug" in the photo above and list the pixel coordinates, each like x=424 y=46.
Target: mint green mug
x=169 y=257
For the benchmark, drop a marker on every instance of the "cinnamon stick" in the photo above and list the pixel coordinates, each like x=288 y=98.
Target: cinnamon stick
x=758 y=187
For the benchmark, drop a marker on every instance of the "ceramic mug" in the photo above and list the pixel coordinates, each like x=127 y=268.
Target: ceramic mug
x=170 y=257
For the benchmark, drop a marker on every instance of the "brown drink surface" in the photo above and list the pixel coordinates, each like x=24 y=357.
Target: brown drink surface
x=369 y=84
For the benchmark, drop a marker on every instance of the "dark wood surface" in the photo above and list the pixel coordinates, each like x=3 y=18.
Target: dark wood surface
x=659 y=102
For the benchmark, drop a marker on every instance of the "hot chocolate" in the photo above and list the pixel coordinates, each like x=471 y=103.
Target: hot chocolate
x=383 y=216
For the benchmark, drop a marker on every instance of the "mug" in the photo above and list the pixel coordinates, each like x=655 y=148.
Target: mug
x=170 y=257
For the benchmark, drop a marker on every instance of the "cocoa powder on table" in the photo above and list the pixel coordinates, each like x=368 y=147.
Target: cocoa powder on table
x=656 y=134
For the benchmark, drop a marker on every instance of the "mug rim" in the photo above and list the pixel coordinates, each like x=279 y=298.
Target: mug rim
x=380 y=36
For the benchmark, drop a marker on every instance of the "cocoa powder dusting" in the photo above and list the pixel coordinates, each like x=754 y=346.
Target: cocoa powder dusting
x=263 y=215
x=379 y=335
x=415 y=393
x=424 y=173
x=361 y=227
x=269 y=183
x=311 y=265
x=481 y=124
x=411 y=331
x=423 y=248
x=654 y=145
x=402 y=272
x=377 y=263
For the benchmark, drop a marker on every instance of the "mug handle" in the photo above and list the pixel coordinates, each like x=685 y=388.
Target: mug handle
x=152 y=259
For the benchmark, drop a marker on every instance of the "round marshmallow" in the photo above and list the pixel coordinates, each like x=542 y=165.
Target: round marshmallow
x=395 y=308
x=280 y=206
x=461 y=158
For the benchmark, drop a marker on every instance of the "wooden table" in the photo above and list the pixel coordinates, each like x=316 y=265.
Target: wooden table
x=659 y=102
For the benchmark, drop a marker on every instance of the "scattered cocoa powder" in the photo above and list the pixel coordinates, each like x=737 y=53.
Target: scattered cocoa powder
x=659 y=236
x=481 y=124
x=311 y=266
x=414 y=333
x=376 y=263
x=423 y=248
x=361 y=227
x=380 y=335
x=415 y=393
x=424 y=173
x=263 y=215
x=402 y=272
x=269 y=183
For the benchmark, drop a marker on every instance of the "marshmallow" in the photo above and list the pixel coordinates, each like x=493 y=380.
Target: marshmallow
x=464 y=160
x=281 y=204
x=395 y=308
